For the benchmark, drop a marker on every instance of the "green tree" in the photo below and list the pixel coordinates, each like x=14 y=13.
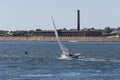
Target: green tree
x=19 y=33
x=119 y=34
x=3 y=33
x=108 y=30
x=30 y=32
x=64 y=29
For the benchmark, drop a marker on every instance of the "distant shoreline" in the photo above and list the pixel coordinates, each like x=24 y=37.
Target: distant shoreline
x=65 y=39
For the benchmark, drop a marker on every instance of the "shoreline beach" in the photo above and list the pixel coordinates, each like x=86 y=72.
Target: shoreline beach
x=65 y=39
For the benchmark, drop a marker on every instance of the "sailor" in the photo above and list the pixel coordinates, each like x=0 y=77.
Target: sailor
x=71 y=55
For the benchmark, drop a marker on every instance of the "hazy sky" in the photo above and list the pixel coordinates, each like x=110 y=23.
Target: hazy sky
x=36 y=14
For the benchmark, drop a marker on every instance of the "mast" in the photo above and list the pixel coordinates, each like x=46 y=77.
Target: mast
x=62 y=47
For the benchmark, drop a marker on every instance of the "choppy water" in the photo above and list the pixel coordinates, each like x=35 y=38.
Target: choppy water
x=101 y=61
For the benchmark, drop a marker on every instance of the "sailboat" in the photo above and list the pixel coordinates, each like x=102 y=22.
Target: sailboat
x=65 y=51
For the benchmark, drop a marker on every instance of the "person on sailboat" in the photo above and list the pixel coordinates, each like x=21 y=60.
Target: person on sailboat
x=71 y=55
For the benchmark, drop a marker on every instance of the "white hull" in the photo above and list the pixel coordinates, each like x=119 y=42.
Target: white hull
x=70 y=56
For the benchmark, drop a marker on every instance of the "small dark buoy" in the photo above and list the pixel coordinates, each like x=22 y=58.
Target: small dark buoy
x=26 y=53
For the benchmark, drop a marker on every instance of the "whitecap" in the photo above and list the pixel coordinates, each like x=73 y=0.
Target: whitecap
x=37 y=75
x=71 y=74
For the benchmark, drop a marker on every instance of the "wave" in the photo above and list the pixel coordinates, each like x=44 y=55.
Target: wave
x=37 y=75
x=83 y=58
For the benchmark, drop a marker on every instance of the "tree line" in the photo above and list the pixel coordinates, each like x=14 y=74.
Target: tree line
x=22 y=33
x=16 y=33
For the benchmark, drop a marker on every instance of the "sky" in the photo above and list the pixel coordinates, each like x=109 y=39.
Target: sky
x=36 y=14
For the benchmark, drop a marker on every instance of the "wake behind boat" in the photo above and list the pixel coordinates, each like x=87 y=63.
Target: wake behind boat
x=65 y=51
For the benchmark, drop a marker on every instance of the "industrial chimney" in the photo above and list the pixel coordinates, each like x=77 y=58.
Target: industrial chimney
x=78 y=20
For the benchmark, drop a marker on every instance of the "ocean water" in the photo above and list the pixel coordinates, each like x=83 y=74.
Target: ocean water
x=99 y=61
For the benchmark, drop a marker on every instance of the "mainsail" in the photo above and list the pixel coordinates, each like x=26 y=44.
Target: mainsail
x=65 y=50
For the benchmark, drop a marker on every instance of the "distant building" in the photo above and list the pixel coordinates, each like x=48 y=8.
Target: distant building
x=67 y=33
x=115 y=31
x=70 y=33
x=44 y=33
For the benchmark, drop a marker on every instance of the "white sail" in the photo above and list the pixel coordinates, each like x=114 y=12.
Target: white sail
x=65 y=50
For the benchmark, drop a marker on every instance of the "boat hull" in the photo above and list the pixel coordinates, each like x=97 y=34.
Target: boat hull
x=70 y=56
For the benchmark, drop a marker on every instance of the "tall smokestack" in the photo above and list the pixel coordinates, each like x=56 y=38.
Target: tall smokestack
x=78 y=20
